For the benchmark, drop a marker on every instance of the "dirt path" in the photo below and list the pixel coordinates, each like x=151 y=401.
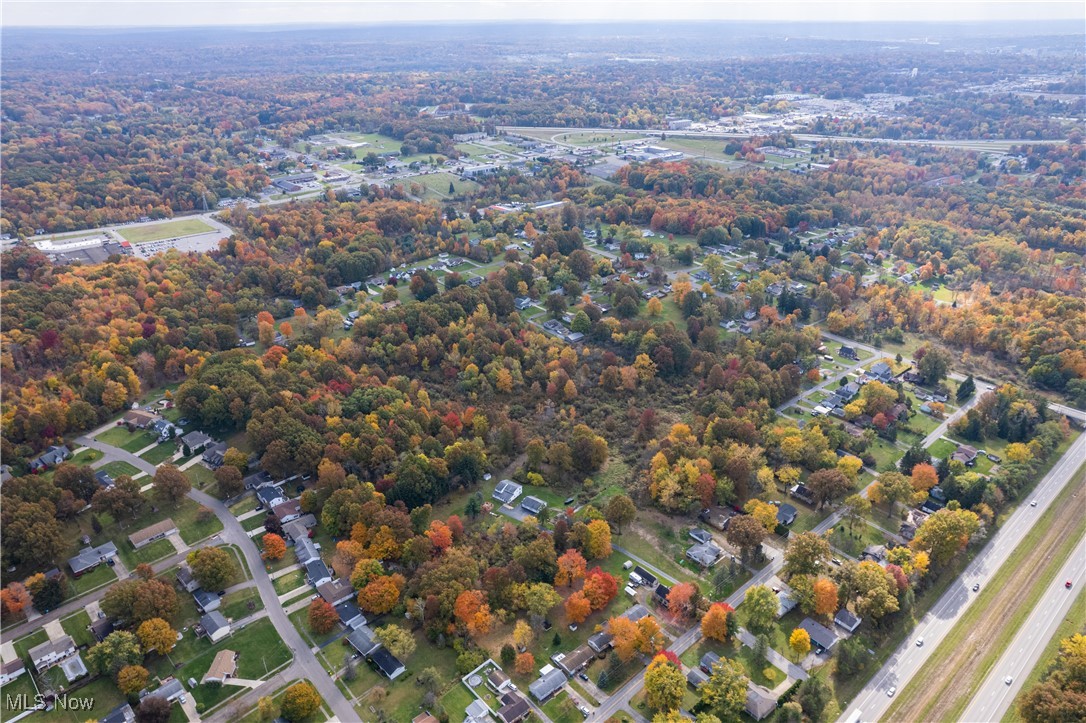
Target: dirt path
x=941 y=685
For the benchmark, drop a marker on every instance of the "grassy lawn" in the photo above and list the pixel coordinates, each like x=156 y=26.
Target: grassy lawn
x=86 y=456
x=261 y=651
x=22 y=685
x=104 y=694
x=161 y=453
x=853 y=543
x=191 y=527
x=289 y=582
x=200 y=476
x=76 y=626
x=886 y=454
x=253 y=716
x=252 y=523
x=139 y=441
x=1073 y=622
x=942 y=448
x=300 y=618
x=118 y=436
x=404 y=697
x=169 y=229
x=235 y=605
x=101 y=575
x=116 y=469
x=246 y=504
x=150 y=553
x=27 y=642
x=437 y=185
x=456 y=701
x=561 y=712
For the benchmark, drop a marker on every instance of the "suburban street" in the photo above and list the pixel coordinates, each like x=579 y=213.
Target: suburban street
x=872 y=700
x=305 y=664
x=994 y=697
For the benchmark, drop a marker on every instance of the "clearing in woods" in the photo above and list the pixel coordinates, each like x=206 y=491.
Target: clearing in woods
x=169 y=229
x=934 y=693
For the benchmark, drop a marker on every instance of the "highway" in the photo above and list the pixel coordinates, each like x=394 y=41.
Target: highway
x=908 y=658
x=994 y=697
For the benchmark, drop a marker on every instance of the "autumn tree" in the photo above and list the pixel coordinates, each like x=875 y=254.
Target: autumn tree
x=577 y=607
x=805 y=554
x=274 y=546
x=725 y=693
x=765 y=513
x=571 y=567
x=524 y=664
x=828 y=485
x=889 y=489
x=620 y=511
x=523 y=634
x=170 y=484
x=599 y=587
x=396 y=639
x=212 y=567
x=800 y=642
x=598 y=543
x=856 y=508
x=131 y=679
x=157 y=636
x=650 y=637
x=300 y=701
x=322 y=617
x=875 y=590
x=230 y=481
x=380 y=594
x=945 y=533
x=14 y=598
x=117 y=650
x=924 y=477
x=267 y=707
x=665 y=684
x=714 y=624
x=624 y=637
x=136 y=600
x=825 y=596
x=472 y=610
x=680 y=598
x=746 y=533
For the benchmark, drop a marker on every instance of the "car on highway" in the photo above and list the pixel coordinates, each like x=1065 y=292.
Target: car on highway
x=890 y=693
x=976 y=586
x=919 y=642
x=1033 y=504
x=1008 y=680
x=1067 y=584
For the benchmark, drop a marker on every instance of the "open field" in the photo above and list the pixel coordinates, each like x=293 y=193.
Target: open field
x=168 y=229
x=982 y=633
x=437 y=184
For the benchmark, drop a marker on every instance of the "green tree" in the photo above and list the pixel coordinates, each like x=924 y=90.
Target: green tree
x=620 y=511
x=806 y=553
x=761 y=608
x=664 y=684
x=398 y=641
x=119 y=649
x=212 y=567
x=966 y=389
x=725 y=693
x=856 y=507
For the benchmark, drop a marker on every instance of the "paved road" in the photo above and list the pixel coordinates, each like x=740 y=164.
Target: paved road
x=909 y=658
x=305 y=663
x=994 y=696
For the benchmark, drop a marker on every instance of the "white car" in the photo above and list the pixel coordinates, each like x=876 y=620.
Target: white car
x=1008 y=680
x=890 y=693
x=919 y=642
x=1033 y=504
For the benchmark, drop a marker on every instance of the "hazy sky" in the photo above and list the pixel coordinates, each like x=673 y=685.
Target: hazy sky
x=85 y=13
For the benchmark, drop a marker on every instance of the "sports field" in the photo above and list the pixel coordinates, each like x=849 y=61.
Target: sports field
x=167 y=229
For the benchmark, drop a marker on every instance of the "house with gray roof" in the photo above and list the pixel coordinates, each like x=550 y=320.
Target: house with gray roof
x=706 y=555
x=317 y=573
x=91 y=557
x=507 y=491
x=306 y=550
x=50 y=653
x=822 y=638
x=215 y=626
x=50 y=458
x=206 y=601
x=547 y=684
x=533 y=505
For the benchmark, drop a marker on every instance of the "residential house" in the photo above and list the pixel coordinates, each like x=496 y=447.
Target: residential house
x=548 y=683
x=708 y=661
x=48 y=654
x=171 y=689
x=215 y=626
x=846 y=620
x=306 y=550
x=91 y=557
x=507 y=491
x=575 y=660
x=223 y=667
x=760 y=701
x=847 y=392
x=317 y=573
x=157 y=531
x=822 y=638
x=104 y=480
x=140 y=418
x=363 y=640
x=425 y=717
x=101 y=628
x=717 y=517
x=706 y=554
x=164 y=429
x=121 y=714
x=913 y=519
x=185 y=579
x=299 y=529
x=350 y=615
x=498 y=681
x=965 y=454
x=50 y=458
x=257 y=480
x=387 y=663
x=875 y=553
x=802 y=493
x=661 y=592
x=206 y=601
x=196 y=441
x=270 y=496
x=514 y=708
x=522 y=302
x=700 y=536
x=11 y=670
x=881 y=371
x=641 y=576
x=335 y=591
x=696 y=677
x=287 y=511
x=215 y=455
x=786 y=514
x=533 y=505
x=475 y=281
x=600 y=641
x=5 y=473
x=849 y=353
